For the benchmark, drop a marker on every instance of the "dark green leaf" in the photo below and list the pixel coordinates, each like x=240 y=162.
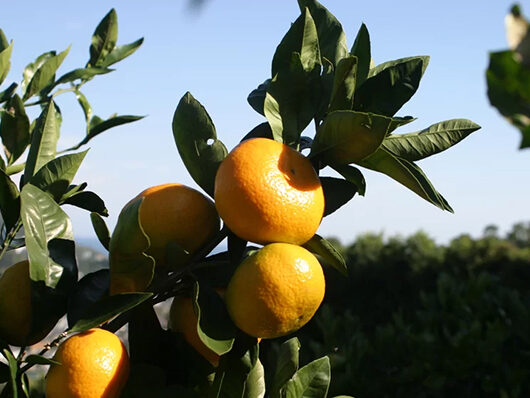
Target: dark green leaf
x=348 y=136
x=81 y=74
x=13 y=371
x=256 y=98
x=361 y=49
x=430 y=141
x=56 y=176
x=101 y=229
x=261 y=130
x=106 y=309
x=197 y=142
x=85 y=105
x=331 y=37
x=325 y=250
x=235 y=369
x=43 y=141
x=14 y=129
x=344 y=84
x=89 y=290
x=8 y=92
x=5 y=59
x=406 y=173
x=131 y=269
x=88 y=201
x=236 y=247
x=104 y=39
x=398 y=122
x=311 y=381
x=9 y=201
x=73 y=189
x=337 y=192
x=214 y=326
x=4 y=373
x=40 y=360
x=43 y=78
x=388 y=90
x=121 y=52
x=43 y=222
x=385 y=65
x=292 y=101
x=286 y=365
x=302 y=38
x=353 y=175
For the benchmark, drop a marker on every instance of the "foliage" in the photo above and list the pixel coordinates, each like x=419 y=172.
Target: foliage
x=419 y=319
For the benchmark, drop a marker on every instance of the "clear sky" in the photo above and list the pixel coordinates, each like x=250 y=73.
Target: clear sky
x=223 y=51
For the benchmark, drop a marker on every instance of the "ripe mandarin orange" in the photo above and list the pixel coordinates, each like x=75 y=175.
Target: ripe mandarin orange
x=275 y=291
x=267 y=192
x=93 y=364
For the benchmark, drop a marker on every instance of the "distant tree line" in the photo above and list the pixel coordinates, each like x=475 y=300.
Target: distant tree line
x=418 y=319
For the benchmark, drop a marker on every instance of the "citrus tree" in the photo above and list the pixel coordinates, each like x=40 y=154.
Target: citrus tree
x=270 y=192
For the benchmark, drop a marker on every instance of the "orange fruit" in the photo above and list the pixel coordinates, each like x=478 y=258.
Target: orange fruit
x=16 y=308
x=182 y=318
x=176 y=212
x=93 y=364
x=267 y=192
x=275 y=291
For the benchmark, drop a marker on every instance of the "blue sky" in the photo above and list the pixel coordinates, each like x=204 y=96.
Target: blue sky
x=222 y=52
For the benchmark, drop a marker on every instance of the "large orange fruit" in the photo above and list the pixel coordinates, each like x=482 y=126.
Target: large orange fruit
x=275 y=291
x=93 y=364
x=267 y=192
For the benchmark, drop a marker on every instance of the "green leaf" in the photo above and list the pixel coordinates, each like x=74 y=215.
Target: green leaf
x=325 y=250
x=344 y=84
x=311 y=381
x=292 y=101
x=508 y=90
x=43 y=141
x=9 y=201
x=361 y=49
x=236 y=247
x=88 y=201
x=398 y=122
x=255 y=383
x=430 y=141
x=43 y=222
x=92 y=288
x=214 y=326
x=388 y=90
x=8 y=92
x=353 y=175
x=32 y=67
x=349 y=136
x=85 y=105
x=43 y=78
x=256 y=98
x=101 y=229
x=39 y=360
x=56 y=176
x=337 y=192
x=301 y=38
x=389 y=64
x=82 y=74
x=262 y=130
x=131 y=269
x=286 y=365
x=5 y=58
x=106 y=309
x=407 y=174
x=121 y=52
x=14 y=129
x=197 y=143
x=104 y=39
x=331 y=37
x=13 y=372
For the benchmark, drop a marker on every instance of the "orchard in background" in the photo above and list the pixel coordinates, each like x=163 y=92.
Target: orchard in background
x=227 y=303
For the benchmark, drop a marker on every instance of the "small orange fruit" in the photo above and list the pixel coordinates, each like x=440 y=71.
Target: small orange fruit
x=267 y=192
x=175 y=212
x=182 y=318
x=275 y=291
x=93 y=364
x=16 y=309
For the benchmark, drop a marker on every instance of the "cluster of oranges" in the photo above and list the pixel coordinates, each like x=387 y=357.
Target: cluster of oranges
x=265 y=192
